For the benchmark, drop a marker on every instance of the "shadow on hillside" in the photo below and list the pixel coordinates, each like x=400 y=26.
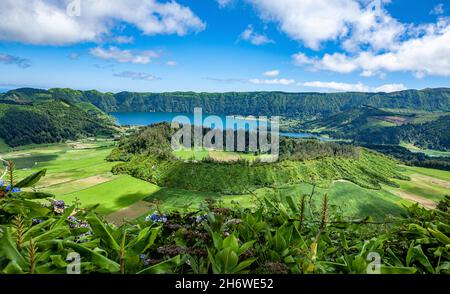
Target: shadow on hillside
x=379 y=209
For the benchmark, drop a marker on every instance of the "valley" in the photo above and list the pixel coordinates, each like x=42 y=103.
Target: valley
x=345 y=176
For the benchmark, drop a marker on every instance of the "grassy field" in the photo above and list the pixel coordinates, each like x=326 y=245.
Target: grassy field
x=432 y=153
x=426 y=183
x=78 y=172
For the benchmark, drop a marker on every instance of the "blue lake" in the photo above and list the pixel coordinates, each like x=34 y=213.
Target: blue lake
x=149 y=118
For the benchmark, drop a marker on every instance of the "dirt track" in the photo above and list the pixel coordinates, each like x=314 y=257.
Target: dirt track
x=129 y=213
x=422 y=201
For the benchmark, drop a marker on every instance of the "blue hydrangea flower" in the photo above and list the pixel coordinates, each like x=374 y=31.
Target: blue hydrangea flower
x=16 y=190
x=201 y=218
x=2 y=183
x=156 y=218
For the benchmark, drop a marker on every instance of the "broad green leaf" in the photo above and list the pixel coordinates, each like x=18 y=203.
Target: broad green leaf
x=243 y=265
x=31 y=180
x=228 y=258
x=231 y=242
x=13 y=269
x=8 y=249
x=440 y=236
x=416 y=253
x=392 y=270
x=101 y=231
x=64 y=217
x=165 y=267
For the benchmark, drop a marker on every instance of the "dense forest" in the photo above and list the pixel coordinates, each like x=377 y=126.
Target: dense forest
x=49 y=122
x=243 y=103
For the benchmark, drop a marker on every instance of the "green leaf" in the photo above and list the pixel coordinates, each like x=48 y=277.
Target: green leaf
x=13 y=269
x=440 y=236
x=231 y=242
x=392 y=270
x=58 y=261
x=165 y=267
x=64 y=217
x=101 y=231
x=37 y=229
x=31 y=180
x=150 y=241
x=243 y=265
x=33 y=195
x=416 y=254
x=8 y=249
x=290 y=201
x=99 y=260
x=246 y=246
x=228 y=259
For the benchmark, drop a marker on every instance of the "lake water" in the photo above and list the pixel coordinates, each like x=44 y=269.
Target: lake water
x=149 y=118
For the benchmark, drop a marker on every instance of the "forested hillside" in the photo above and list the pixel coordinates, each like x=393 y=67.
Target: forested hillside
x=371 y=125
x=244 y=103
x=147 y=155
x=49 y=121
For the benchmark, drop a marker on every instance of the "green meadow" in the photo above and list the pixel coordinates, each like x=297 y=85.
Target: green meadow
x=78 y=172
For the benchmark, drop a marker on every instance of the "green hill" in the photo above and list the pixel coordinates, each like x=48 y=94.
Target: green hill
x=148 y=157
x=246 y=103
x=23 y=122
x=369 y=125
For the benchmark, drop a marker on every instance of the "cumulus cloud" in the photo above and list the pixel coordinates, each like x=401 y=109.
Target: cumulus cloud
x=347 y=87
x=15 y=60
x=428 y=54
x=255 y=38
x=124 y=56
x=272 y=73
x=371 y=40
x=48 y=23
x=136 y=76
x=438 y=9
x=283 y=81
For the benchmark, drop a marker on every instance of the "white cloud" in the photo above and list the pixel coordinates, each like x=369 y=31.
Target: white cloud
x=136 y=76
x=347 y=87
x=171 y=63
x=438 y=9
x=372 y=41
x=47 y=23
x=272 y=73
x=123 y=56
x=284 y=82
x=255 y=38
x=224 y=3
x=428 y=54
x=389 y=88
x=124 y=39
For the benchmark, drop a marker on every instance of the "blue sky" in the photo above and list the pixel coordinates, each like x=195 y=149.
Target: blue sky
x=225 y=45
